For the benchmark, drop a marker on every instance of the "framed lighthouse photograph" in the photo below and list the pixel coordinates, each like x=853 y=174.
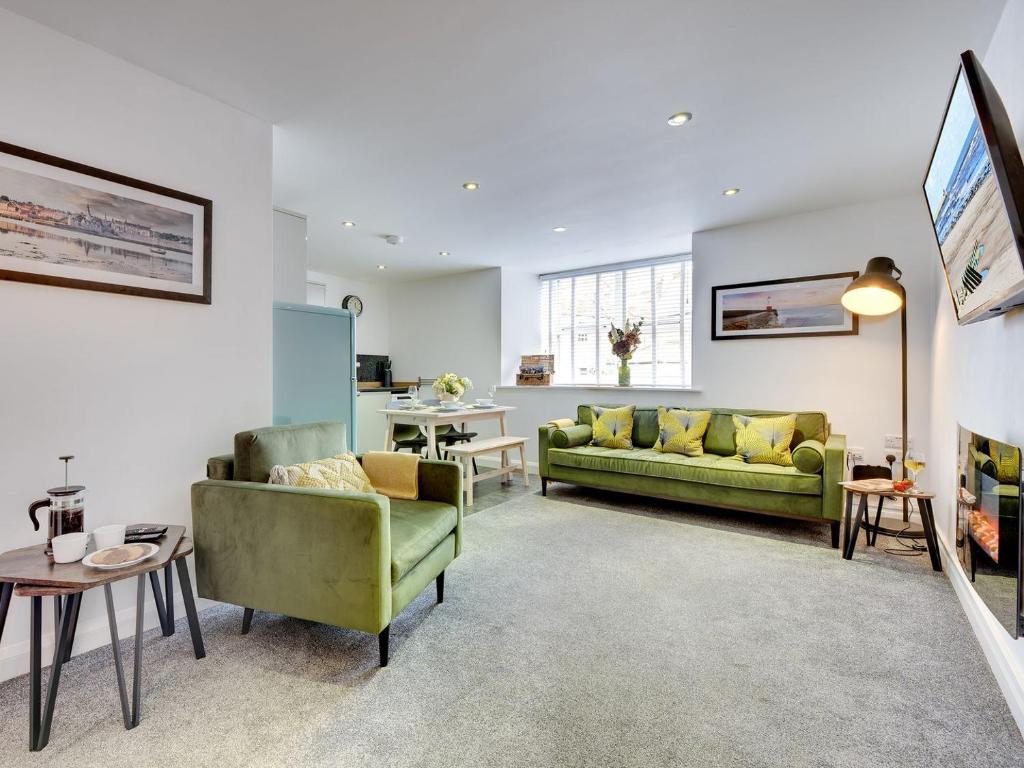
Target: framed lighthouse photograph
x=792 y=306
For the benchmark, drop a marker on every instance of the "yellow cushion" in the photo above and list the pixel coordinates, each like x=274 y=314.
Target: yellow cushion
x=613 y=427
x=340 y=473
x=396 y=475
x=1007 y=461
x=681 y=431
x=765 y=440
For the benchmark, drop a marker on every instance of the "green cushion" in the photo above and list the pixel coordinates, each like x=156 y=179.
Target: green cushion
x=809 y=457
x=416 y=528
x=258 y=450
x=708 y=469
x=581 y=434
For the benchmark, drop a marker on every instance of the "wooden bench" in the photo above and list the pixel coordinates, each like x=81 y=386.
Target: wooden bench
x=466 y=452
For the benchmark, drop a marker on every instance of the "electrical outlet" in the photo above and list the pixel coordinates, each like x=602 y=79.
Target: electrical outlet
x=855 y=455
x=893 y=443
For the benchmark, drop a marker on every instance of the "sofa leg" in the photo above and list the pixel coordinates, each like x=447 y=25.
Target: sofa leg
x=382 y=641
x=835 y=534
x=543 y=486
x=440 y=587
x=247 y=620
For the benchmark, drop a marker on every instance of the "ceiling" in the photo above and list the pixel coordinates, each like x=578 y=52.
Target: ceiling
x=557 y=108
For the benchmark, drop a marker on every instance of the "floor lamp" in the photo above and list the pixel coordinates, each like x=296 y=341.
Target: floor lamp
x=879 y=292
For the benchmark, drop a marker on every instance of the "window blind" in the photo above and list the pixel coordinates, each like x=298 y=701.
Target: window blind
x=578 y=307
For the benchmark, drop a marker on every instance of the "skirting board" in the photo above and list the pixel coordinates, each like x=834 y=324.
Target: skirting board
x=1005 y=655
x=92 y=633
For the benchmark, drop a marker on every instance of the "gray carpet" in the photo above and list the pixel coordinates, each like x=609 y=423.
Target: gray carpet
x=575 y=633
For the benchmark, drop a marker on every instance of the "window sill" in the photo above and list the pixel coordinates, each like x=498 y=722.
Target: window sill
x=601 y=387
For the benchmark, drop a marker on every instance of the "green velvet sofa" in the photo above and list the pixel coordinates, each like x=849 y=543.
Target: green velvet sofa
x=714 y=479
x=352 y=560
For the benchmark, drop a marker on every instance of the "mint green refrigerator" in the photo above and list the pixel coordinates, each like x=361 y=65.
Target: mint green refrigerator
x=315 y=366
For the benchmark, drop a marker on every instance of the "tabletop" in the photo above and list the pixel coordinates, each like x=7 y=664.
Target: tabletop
x=30 y=566
x=882 y=487
x=432 y=412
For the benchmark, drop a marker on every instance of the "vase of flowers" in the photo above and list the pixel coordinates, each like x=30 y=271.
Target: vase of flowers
x=450 y=387
x=624 y=342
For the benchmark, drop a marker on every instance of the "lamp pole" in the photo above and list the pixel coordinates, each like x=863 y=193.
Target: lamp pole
x=903 y=404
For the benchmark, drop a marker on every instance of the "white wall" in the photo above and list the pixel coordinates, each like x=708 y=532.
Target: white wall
x=854 y=379
x=520 y=320
x=289 y=257
x=140 y=390
x=449 y=323
x=978 y=373
x=373 y=327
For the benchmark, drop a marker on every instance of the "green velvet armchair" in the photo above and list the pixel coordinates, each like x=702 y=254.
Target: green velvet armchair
x=352 y=560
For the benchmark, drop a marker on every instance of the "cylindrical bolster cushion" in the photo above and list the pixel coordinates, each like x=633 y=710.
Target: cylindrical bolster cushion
x=809 y=457
x=570 y=437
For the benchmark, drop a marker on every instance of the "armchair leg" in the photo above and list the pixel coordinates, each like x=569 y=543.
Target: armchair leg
x=835 y=534
x=247 y=620
x=544 y=489
x=382 y=641
x=440 y=587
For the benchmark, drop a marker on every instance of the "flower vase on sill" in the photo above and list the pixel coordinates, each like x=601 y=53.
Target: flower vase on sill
x=625 y=341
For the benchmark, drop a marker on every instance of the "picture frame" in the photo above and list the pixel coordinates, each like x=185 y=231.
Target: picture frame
x=68 y=224
x=790 y=307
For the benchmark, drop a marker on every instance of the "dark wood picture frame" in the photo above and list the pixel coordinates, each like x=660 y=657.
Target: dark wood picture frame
x=97 y=285
x=716 y=336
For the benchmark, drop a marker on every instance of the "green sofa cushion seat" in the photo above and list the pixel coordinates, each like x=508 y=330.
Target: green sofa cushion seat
x=416 y=528
x=708 y=469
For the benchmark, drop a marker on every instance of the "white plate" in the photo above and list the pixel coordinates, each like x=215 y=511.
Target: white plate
x=152 y=550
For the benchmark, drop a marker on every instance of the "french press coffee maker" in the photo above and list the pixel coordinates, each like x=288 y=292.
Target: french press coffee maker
x=66 y=505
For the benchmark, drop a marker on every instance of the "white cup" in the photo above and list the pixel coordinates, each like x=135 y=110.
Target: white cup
x=108 y=536
x=70 y=547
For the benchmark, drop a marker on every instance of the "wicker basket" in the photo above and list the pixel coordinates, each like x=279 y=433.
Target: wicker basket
x=533 y=379
x=535 y=370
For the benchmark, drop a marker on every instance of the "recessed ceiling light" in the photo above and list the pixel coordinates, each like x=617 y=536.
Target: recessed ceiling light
x=559 y=229
x=471 y=185
x=679 y=118
x=731 y=191
x=348 y=224
x=382 y=267
x=444 y=253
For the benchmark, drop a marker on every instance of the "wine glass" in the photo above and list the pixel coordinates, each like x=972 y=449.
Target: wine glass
x=492 y=391
x=915 y=462
x=414 y=394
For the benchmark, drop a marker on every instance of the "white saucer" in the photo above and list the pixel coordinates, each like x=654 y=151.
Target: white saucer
x=88 y=560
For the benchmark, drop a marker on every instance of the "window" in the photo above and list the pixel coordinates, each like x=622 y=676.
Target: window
x=577 y=308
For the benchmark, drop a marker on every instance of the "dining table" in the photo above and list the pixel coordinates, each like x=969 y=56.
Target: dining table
x=429 y=417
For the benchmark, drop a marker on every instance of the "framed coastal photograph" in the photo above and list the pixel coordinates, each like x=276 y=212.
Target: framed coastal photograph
x=793 y=306
x=67 y=224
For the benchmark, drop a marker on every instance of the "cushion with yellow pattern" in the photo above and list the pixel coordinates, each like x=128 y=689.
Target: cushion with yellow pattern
x=340 y=473
x=613 y=427
x=681 y=431
x=1007 y=461
x=765 y=439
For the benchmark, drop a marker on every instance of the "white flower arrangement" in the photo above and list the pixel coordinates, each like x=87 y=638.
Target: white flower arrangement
x=451 y=384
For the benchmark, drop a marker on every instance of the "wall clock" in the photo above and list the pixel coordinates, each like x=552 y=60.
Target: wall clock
x=353 y=304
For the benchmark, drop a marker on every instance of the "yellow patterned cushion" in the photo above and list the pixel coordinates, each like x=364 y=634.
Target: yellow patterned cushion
x=765 y=440
x=681 y=431
x=613 y=427
x=340 y=473
x=1007 y=461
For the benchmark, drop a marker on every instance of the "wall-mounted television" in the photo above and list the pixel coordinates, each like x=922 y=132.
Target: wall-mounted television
x=975 y=194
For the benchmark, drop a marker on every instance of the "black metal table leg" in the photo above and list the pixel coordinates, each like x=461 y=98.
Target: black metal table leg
x=140 y=607
x=862 y=510
x=158 y=598
x=67 y=619
x=848 y=518
x=35 y=671
x=74 y=625
x=115 y=646
x=169 y=599
x=6 y=590
x=924 y=506
x=56 y=619
x=185 y=583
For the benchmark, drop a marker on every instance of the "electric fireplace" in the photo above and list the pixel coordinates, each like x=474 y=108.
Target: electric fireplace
x=988 y=536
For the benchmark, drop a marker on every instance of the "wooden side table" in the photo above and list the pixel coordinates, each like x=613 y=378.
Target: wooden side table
x=26 y=572
x=866 y=488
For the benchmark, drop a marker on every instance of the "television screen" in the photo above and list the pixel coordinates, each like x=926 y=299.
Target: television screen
x=974 y=189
